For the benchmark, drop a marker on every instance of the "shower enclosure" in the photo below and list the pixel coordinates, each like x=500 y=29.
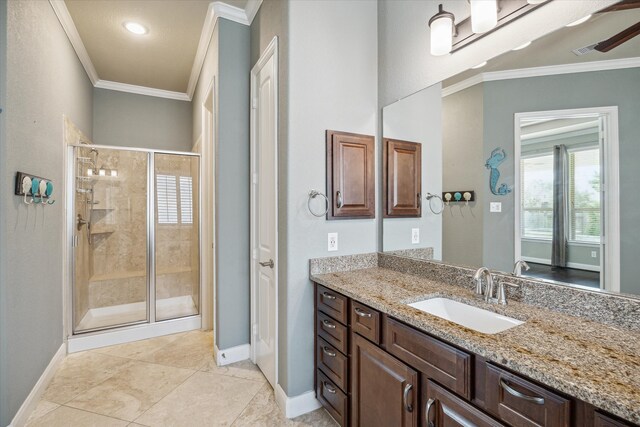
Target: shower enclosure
x=135 y=237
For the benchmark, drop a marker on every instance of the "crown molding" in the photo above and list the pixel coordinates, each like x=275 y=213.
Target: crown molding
x=216 y=10
x=583 y=67
x=251 y=9
x=61 y=11
x=142 y=90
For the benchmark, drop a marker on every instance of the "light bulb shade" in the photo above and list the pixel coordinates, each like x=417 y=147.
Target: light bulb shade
x=484 y=15
x=441 y=25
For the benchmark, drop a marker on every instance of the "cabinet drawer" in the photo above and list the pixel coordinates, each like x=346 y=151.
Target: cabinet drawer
x=333 y=364
x=333 y=399
x=443 y=408
x=445 y=364
x=521 y=403
x=332 y=303
x=332 y=331
x=365 y=321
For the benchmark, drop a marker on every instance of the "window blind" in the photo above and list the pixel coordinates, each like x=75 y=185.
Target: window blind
x=167 y=199
x=186 y=200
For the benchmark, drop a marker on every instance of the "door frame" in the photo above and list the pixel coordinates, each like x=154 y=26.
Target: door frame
x=208 y=179
x=610 y=244
x=270 y=51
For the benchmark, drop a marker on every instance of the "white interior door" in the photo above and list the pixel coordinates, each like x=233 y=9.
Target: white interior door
x=265 y=217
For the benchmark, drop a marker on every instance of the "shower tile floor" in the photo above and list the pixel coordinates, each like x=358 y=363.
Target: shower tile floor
x=165 y=381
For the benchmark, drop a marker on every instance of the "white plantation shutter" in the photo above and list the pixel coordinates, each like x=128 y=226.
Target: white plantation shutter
x=186 y=200
x=167 y=199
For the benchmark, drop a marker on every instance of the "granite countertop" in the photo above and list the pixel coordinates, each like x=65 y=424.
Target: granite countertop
x=596 y=363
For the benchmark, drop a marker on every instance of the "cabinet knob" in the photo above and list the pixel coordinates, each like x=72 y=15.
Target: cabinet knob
x=327 y=295
x=329 y=388
x=513 y=392
x=361 y=312
x=328 y=324
x=328 y=352
x=338 y=199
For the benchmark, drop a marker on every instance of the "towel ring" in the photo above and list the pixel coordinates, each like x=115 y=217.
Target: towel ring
x=435 y=196
x=312 y=195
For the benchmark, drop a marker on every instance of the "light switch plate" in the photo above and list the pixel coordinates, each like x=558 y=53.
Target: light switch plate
x=415 y=236
x=495 y=207
x=594 y=254
x=332 y=242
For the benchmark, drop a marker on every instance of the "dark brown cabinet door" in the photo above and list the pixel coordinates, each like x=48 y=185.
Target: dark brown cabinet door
x=402 y=178
x=350 y=175
x=444 y=409
x=384 y=391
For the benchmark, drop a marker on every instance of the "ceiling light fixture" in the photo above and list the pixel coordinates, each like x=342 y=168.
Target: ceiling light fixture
x=442 y=29
x=484 y=15
x=480 y=65
x=136 y=28
x=579 y=21
x=522 y=46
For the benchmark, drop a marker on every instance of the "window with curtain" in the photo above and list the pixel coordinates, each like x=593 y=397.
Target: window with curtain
x=584 y=195
x=536 y=182
x=174 y=199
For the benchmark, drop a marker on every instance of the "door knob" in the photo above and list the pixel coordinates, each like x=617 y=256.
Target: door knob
x=269 y=263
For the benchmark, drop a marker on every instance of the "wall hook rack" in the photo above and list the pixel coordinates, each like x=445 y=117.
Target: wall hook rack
x=34 y=189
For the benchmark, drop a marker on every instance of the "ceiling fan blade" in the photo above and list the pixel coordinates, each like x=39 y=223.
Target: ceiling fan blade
x=618 y=39
x=623 y=5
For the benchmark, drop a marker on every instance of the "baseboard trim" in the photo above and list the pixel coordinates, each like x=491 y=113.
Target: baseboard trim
x=232 y=355
x=297 y=405
x=30 y=403
x=123 y=335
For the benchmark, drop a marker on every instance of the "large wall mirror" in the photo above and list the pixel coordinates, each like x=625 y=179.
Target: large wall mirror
x=533 y=157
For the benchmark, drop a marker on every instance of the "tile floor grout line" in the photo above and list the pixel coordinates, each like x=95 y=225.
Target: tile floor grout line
x=163 y=397
x=247 y=405
x=95 y=413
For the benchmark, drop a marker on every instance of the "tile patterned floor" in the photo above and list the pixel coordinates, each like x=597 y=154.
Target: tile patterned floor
x=166 y=381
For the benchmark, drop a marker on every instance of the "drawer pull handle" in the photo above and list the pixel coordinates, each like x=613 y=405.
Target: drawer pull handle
x=361 y=312
x=327 y=295
x=516 y=393
x=328 y=324
x=329 y=388
x=328 y=352
x=405 y=397
x=427 y=411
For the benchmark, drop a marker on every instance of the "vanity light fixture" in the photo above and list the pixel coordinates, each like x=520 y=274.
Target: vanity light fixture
x=135 y=28
x=89 y=172
x=102 y=172
x=579 y=21
x=480 y=65
x=442 y=29
x=484 y=15
x=114 y=173
x=522 y=46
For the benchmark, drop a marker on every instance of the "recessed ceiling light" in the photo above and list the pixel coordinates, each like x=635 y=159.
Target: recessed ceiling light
x=579 y=21
x=136 y=28
x=522 y=46
x=480 y=65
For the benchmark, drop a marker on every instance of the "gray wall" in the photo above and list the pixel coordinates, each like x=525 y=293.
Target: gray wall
x=332 y=85
x=417 y=118
x=228 y=61
x=131 y=120
x=463 y=169
x=44 y=80
x=272 y=20
x=502 y=99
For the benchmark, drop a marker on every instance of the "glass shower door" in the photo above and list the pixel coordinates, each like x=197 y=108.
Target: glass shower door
x=177 y=242
x=110 y=238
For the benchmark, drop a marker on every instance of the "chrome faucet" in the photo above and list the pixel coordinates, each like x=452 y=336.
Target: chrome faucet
x=484 y=272
x=517 y=267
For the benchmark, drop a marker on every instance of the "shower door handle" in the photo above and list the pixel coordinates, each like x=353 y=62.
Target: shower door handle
x=269 y=263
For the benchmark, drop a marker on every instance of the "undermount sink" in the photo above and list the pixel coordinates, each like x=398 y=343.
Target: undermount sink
x=471 y=317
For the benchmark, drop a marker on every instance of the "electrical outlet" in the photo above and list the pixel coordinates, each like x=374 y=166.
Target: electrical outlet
x=332 y=242
x=495 y=207
x=415 y=236
x=594 y=254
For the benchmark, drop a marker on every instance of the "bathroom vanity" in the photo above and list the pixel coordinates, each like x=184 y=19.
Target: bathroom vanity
x=381 y=362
